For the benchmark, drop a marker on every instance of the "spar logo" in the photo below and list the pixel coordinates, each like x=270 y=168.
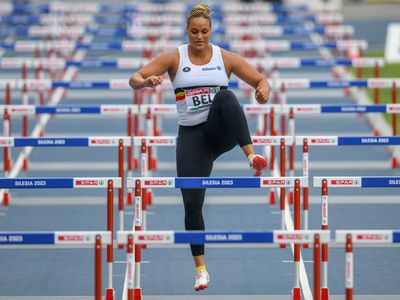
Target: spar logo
x=254 y=109
x=160 y=141
x=5 y=142
x=164 y=109
x=20 y=110
x=306 y=109
x=378 y=84
x=291 y=236
x=344 y=182
x=276 y=182
x=113 y=110
x=264 y=140
x=89 y=182
x=154 y=237
x=198 y=91
x=102 y=142
x=158 y=182
x=372 y=237
x=73 y=238
x=393 y=108
x=322 y=141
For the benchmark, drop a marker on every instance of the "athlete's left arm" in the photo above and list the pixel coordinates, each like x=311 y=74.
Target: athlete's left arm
x=237 y=65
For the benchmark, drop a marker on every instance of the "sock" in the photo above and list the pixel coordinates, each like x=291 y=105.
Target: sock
x=202 y=267
x=250 y=156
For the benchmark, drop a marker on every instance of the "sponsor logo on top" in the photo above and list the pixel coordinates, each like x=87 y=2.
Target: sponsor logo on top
x=160 y=182
x=153 y=237
x=291 y=236
x=89 y=182
x=5 y=141
x=322 y=141
x=103 y=142
x=73 y=238
x=113 y=109
x=264 y=140
x=276 y=182
x=393 y=108
x=198 y=91
x=160 y=141
x=379 y=83
x=372 y=237
x=217 y=68
x=297 y=84
x=344 y=182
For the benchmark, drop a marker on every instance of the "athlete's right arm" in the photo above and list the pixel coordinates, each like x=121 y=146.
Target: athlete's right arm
x=151 y=74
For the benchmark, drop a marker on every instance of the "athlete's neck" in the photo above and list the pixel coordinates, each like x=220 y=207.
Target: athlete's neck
x=200 y=56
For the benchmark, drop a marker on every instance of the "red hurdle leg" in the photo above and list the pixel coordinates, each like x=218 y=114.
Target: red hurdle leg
x=97 y=269
x=121 y=189
x=324 y=226
x=349 y=268
x=296 y=288
x=317 y=268
x=282 y=153
x=305 y=189
x=130 y=267
x=130 y=158
x=110 y=227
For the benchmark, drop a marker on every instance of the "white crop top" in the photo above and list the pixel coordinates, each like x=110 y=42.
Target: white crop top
x=195 y=86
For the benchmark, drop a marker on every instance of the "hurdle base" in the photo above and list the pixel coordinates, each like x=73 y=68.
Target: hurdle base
x=110 y=295
x=296 y=294
x=129 y=198
x=324 y=293
x=120 y=246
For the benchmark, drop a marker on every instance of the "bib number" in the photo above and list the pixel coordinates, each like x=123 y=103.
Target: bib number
x=200 y=99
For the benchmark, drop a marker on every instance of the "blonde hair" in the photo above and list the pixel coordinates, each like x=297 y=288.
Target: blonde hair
x=200 y=10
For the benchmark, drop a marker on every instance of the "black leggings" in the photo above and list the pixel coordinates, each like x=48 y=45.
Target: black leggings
x=198 y=146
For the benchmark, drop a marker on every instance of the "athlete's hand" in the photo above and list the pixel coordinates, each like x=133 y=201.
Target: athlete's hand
x=153 y=81
x=262 y=92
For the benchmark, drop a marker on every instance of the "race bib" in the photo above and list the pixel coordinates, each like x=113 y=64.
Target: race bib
x=200 y=99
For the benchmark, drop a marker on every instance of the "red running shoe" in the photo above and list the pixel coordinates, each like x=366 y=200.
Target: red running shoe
x=257 y=163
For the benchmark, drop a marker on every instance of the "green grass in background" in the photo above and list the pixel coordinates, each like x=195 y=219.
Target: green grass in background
x=387 y=71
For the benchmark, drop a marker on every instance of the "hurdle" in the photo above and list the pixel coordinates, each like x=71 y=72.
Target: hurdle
x=349 y=182
x=141 y=184
x=76 y=183
x=135 y=239
x=96 y=239
x=103 y=110
x=361 y=237
x=120 y=142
